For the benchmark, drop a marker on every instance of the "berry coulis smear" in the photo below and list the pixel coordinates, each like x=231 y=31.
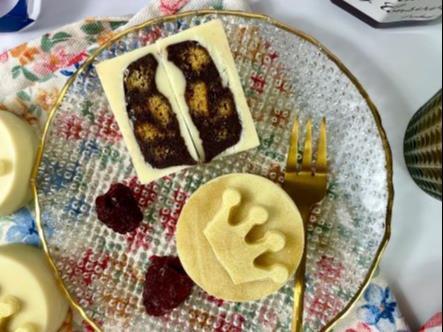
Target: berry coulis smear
x=119 y=210
x=167 y=286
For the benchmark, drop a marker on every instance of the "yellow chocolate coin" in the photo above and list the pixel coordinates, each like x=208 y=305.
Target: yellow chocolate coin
x=240 y=237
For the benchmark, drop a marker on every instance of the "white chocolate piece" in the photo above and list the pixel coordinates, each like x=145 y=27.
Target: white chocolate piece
x=226 y=224
x=30 y=300
x=18 y=145
x=171 y=83
x=111 y=73
x=212 y=36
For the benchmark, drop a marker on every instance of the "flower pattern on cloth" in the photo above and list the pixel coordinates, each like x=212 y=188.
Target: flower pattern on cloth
x=434 y=324
x=169 y=7
x=376 y=311
x=34 y=73
x=360 y=327
x=380 y=309
x=22 y=229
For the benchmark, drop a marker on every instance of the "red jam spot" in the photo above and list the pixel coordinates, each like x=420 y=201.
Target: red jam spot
x=166 y=286
x=119 y=210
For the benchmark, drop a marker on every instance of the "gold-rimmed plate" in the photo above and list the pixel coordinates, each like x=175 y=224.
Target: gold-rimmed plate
x=284 y=73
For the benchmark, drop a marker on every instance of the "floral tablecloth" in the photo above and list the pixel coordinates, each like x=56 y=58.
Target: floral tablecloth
x=32 y=77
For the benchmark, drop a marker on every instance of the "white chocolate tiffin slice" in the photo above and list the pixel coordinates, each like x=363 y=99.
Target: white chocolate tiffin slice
x=202 y=71
x=146 y=111
x=30 y=300
x=179 y=101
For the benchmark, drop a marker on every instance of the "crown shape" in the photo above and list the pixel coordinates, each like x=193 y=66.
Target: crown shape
x=10 y=306
x=234 y=252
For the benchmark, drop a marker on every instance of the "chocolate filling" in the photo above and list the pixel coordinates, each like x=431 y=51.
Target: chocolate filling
x=156 y=127
x=211 y=105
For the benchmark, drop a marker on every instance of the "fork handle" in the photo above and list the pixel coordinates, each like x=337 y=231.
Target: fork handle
x=299 y=286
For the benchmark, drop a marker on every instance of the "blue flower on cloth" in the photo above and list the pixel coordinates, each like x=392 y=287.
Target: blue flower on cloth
x=23 y=229
x=380 y=310
x=68 y=72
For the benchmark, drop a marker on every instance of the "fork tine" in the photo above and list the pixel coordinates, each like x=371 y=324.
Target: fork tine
x=307 y=152
x=322 y=154
x=293 y=148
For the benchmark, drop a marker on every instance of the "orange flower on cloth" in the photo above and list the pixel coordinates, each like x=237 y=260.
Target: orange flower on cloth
x=49 y=63
x=24 y=53
x=104 y=37
x=47 y=98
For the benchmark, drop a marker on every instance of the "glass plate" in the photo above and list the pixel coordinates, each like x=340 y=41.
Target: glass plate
x=285 y=74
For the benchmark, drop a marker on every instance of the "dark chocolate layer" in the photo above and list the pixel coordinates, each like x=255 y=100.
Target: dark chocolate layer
x=156 y=127
x=211 y=105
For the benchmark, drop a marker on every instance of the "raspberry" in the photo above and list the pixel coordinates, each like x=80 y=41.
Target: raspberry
x=166 y=286
x=119 y=210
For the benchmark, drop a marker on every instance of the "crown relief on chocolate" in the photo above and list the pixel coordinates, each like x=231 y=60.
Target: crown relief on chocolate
x=242 y=267
x=179 y=102
x=10 y=306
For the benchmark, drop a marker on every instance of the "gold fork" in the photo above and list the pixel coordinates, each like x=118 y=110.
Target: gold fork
x=307 y=185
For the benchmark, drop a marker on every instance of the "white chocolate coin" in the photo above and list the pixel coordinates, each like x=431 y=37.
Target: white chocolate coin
x=30 y=299
x=18 y=144
x=240 y=237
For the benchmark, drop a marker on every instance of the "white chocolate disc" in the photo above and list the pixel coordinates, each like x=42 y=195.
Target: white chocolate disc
x=18 y=144
x=240 y=237
x=30 y=299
